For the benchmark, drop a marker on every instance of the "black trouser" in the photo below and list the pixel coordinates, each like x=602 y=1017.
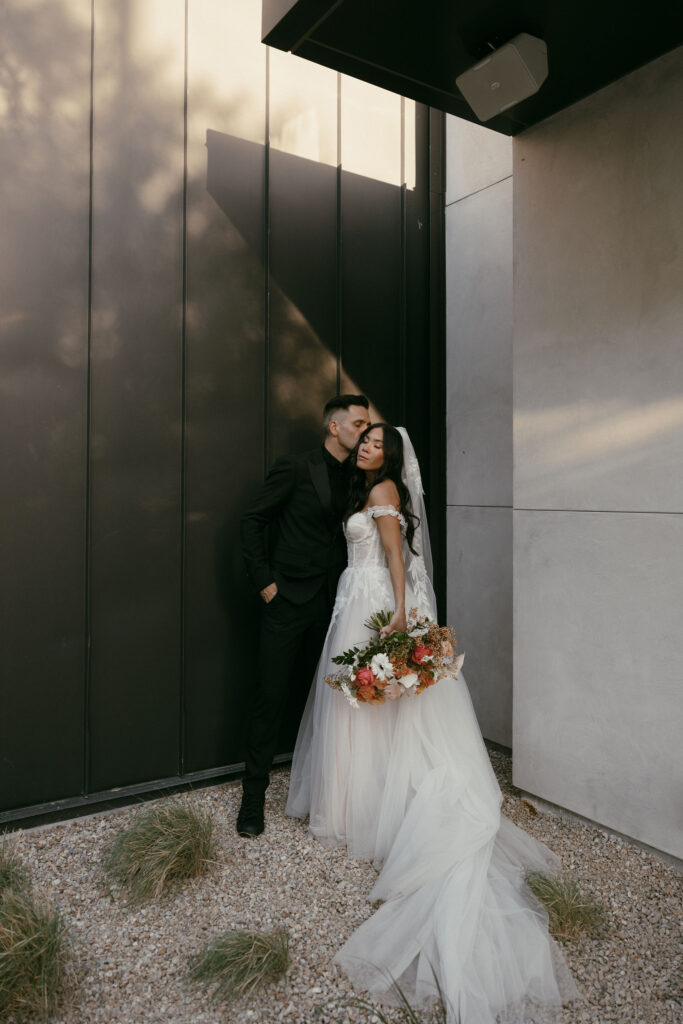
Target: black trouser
x=292 y=636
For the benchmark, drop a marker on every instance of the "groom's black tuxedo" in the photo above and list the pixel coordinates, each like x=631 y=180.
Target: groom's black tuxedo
x=301 y=503
x=291 y=536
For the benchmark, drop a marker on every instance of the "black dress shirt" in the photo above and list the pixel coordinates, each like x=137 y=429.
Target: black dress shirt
x=337 y=473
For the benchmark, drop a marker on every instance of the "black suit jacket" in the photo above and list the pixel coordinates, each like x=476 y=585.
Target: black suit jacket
x=291 y=534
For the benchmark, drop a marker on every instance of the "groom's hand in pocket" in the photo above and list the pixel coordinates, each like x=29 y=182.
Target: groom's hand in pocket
x=269 y=592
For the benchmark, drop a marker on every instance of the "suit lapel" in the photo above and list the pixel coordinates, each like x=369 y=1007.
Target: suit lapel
x=321 y=482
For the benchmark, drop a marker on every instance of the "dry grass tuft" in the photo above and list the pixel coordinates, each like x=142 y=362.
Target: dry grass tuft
x=409 y=1015
x=239 y=963
x=33 y=957
x=13 y=874
x=164 y=846
x=571 y=912
x=435 y=1014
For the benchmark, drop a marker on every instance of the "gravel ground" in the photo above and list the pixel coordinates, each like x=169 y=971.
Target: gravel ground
x=132 y=963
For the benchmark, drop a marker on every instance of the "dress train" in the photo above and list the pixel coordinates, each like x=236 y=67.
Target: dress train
x=409 y=785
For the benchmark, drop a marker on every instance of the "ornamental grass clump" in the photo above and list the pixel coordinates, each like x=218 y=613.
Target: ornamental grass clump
x=239 y=963
x=33 y=955
x=164 y=846
x=570 y=911
x=435 y=1014
x=13 y=874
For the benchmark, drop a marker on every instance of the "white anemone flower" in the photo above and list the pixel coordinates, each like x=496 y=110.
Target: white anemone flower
x=381 y=667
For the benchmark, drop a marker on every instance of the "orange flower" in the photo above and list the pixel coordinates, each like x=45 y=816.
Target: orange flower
x=365 y=693
x=421 y=654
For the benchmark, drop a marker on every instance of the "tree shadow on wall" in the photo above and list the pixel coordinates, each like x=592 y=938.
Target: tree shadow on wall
x=137 y=378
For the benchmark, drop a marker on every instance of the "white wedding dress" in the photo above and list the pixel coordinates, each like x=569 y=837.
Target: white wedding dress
x=408 y=785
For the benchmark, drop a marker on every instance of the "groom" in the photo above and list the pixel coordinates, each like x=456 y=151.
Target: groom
x=294 y=551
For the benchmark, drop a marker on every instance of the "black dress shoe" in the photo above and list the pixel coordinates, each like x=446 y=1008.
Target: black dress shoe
x=250 y=818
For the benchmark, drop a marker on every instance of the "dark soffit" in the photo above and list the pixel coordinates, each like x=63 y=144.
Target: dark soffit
x=418 y=49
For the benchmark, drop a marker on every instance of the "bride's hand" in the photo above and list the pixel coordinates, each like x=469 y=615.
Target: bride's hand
x=397 y=624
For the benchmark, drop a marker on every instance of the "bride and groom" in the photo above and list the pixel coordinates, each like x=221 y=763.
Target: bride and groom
x=409 y=784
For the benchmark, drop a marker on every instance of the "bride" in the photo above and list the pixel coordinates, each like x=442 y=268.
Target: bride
x=409 y=785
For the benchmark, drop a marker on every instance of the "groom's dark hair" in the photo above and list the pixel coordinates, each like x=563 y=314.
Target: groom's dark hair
x=342 y=402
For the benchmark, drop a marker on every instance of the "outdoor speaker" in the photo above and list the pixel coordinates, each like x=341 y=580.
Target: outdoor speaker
x=509 y=75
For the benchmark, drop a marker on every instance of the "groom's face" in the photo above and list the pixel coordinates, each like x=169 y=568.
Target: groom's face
x=351 y=423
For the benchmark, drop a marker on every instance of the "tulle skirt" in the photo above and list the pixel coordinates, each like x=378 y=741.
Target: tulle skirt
x=409 y=785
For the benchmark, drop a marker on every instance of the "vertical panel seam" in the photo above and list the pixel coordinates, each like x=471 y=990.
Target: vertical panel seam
x=266 y=277
x=441 y=348
x=403 y=328
x=403 y=140
x=339 y=331
x=437 y=347
x=183 y=421
x=88 y=403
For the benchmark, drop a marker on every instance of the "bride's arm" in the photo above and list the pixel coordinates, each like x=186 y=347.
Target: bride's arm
x=392 y=542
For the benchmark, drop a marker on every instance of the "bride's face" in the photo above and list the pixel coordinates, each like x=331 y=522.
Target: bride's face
x=371 y=451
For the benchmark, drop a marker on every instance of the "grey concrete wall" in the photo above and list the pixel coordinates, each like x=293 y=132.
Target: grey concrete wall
x=479 y=414
x=598 y=443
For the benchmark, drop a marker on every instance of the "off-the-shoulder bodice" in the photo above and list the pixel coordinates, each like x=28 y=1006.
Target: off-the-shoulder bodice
x=363 y=539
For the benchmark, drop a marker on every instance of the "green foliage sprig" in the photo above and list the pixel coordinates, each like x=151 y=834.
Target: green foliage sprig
x=386 y=645
x=397 y=643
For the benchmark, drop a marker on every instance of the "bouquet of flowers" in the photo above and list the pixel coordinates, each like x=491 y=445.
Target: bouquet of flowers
x=400 y=665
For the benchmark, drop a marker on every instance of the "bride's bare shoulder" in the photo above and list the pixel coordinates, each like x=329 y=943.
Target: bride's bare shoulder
x=384 y=493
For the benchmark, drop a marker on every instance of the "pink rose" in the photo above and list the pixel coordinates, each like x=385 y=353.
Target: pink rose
x=364 y=677
x=421 y=654
x=393 y=690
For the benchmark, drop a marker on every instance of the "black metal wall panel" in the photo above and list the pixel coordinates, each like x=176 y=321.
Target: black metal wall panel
x=302 y=339
x=424 y=261
x=417 y=397
x=44 y=170
x=233 y=283
x=136 y=392
x=371 y=283
x=225 y=369
x=437 y=348
x=302 y=257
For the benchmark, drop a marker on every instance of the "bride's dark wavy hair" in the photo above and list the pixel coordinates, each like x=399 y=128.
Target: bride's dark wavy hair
x=391 y=469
